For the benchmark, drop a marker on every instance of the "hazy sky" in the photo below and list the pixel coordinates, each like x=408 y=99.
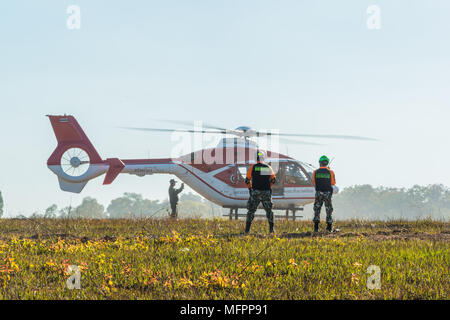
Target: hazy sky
x=297 y=66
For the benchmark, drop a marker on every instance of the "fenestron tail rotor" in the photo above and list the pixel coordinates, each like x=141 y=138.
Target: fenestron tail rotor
x=75 y=162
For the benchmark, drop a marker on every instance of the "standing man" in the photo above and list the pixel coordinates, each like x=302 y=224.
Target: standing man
x=173 y=197
x=260 y=179
x=324 y=181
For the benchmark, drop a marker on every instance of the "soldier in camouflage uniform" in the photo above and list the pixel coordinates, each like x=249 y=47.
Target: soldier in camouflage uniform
x=324 y=180
x=260 y=179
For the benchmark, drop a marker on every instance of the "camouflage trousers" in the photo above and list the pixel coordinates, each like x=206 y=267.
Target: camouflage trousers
x=173 y=206
x=321 y=198
x=257 y=196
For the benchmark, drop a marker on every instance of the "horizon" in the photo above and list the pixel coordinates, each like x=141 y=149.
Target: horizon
x=189 y=192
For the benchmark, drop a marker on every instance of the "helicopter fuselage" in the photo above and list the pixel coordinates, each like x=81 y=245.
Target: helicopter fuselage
x=216 y=173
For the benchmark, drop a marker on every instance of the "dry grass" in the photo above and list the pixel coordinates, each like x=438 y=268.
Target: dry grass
x=204 y=259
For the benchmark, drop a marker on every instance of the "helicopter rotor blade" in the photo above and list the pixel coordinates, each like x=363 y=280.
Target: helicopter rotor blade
x=290 y=141
x=220 y=130
x=329 y=136
x=173 y=130
x=191 y=123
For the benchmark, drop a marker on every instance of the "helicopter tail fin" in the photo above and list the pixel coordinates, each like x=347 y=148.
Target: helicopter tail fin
x=69 y=134
x=75 y=160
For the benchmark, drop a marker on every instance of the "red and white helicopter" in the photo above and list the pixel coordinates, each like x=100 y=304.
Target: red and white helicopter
x=75 y=161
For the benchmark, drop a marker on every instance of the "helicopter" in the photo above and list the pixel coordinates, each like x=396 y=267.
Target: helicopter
x=217 y=174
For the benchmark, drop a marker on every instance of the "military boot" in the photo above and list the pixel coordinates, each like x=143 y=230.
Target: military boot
x=271 y=228
x=247 y=227
x=316 y=226
x=329 y=227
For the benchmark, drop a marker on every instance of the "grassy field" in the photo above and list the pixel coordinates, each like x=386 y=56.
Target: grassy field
x=205 y=259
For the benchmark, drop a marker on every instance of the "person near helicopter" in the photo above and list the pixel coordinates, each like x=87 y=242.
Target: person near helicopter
x=324 y=180
x=173 y=197
x=260 y=179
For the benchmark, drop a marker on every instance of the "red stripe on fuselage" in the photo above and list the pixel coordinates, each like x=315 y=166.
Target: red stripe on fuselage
x=170 y=161
x=148 y=161
x=232 y=198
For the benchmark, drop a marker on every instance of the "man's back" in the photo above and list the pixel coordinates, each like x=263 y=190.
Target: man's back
x=324 y=179
x=173 y=193
x=260 y=176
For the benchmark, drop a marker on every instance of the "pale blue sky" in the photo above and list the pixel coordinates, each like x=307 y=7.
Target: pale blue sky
x=297 y=66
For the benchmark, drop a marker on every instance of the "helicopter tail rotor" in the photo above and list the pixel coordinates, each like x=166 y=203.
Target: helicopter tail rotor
x=75 y=160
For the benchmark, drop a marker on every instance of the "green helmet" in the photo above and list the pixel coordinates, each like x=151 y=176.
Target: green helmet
x=324 y=158
x=260 y=156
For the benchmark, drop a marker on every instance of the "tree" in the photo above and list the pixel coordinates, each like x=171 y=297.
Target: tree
x=133 y=205
x=193 y=209
x=1 y=204
x=65 y=212
x=190 y=196
x=36 y=215
x=367 y=202
x=120 y=207
x=89 y=208
x=50 y=212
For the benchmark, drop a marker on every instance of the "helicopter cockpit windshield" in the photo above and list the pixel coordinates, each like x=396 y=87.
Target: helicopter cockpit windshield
x=295 y=175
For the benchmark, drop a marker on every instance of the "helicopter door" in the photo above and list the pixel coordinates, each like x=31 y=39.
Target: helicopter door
x=278 y=187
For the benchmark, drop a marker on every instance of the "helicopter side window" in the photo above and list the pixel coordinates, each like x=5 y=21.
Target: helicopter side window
x=276 y=167
x=241 y=173
x=295 y=175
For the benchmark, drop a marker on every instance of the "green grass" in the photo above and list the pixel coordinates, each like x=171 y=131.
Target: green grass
x=204 y=259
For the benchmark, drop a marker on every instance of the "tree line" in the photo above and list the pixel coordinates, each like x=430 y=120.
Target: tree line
x=133 y=205
x=417 y=202
x=360 y=202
